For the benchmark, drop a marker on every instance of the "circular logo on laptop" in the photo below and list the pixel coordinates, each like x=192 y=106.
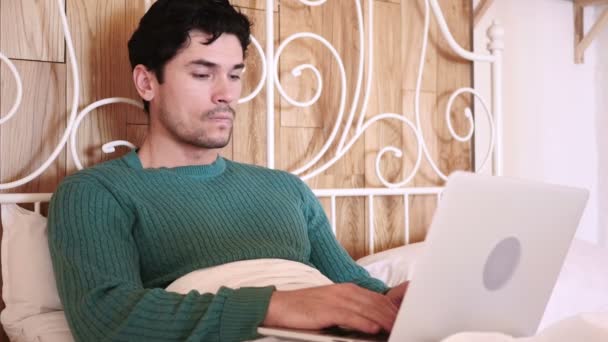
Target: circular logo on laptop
x=501 y=263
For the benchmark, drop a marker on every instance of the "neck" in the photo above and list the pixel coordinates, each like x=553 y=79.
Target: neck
x=162 y=151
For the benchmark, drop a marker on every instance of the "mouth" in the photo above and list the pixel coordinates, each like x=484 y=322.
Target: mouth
x=227 y=117
x=221 y=118
x=221 y=115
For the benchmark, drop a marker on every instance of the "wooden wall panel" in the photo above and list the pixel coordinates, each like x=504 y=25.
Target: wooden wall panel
x=303 y=88
x=350 y=217
x=385 y=97
x=134 y=10
x=412 y=28
x=336 y=21
x=100 y=32
x=28 y=139
x=254 y=4
x=454 y=73
x=136 y=133
x=31 y=29
x=249 y=135
x=351 y=223
x=421 y=208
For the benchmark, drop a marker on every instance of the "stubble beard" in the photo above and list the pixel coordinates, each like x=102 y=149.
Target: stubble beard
x=199 y=137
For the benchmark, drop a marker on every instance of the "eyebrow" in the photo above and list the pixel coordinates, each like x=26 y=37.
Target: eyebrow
x=208 y=64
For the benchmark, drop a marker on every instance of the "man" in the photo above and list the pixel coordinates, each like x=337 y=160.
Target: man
x=121 y=231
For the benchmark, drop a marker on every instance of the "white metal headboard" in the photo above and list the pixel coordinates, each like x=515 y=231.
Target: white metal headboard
x=270 y=79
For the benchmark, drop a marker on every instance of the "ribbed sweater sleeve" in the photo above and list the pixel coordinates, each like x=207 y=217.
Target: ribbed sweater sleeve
x=96 y=262
x=326 y=252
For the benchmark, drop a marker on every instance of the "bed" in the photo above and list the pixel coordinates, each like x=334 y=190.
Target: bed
x=33 y=310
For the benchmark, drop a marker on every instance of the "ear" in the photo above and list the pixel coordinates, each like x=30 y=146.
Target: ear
x=144 y=81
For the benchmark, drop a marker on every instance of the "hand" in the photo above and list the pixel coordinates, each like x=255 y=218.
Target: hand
x=346 y=305
x=397 y=293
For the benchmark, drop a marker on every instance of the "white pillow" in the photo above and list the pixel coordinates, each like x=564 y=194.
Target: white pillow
x=29 y=286
x=393 y=266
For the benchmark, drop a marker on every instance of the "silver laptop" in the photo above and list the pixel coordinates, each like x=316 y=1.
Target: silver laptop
x=492 y=256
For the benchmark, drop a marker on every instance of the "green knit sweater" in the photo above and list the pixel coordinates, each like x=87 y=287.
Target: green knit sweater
x=119 y=234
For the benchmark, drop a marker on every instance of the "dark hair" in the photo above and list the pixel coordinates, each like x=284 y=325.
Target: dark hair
x=164 y=30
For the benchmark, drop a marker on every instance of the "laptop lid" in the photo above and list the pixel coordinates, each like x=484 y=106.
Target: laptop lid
x=493 y=253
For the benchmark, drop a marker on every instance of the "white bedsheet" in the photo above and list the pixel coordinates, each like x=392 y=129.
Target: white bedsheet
x=589 y=327
x=582 y=285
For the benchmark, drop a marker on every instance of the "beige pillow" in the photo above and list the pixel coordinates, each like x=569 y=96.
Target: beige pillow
x=47 y=327
x=29 y=286
x=283 y=274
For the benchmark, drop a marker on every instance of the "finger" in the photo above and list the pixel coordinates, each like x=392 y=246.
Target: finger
x=375 y=306
x=397 y=293
x=368 y=297
x=351 y=320
x=371 y=305
x=383 y=311
x=403 y=288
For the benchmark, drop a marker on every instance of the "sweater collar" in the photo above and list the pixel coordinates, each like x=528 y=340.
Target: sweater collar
x=197 y=171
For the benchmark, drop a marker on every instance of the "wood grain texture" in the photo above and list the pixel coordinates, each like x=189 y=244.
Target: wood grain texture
x=426 y=175
x=421 y=208
x=385 y=97
x=136 y=133
x=99 y=30
x=305 y=51
x=590 y=2
x=249 y=135
x=250 y=4
x=453 y=73
x=254 y=4
x=304 y=131
x=336 y=21
x=134 y=10
x=350 y=218
x=28 y=139
x=31 y=29
x=352 y=235
x=412 y=29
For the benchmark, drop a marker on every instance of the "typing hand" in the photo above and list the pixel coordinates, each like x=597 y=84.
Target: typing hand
x=397 y=293
x=345 y=305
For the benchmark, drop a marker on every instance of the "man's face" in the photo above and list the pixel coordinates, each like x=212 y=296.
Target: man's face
x=202 y=83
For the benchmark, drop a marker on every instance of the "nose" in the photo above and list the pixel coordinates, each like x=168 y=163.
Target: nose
x=225 y=91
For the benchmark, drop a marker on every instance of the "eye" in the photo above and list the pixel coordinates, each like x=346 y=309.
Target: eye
x=201 y=76
x=235 y=77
